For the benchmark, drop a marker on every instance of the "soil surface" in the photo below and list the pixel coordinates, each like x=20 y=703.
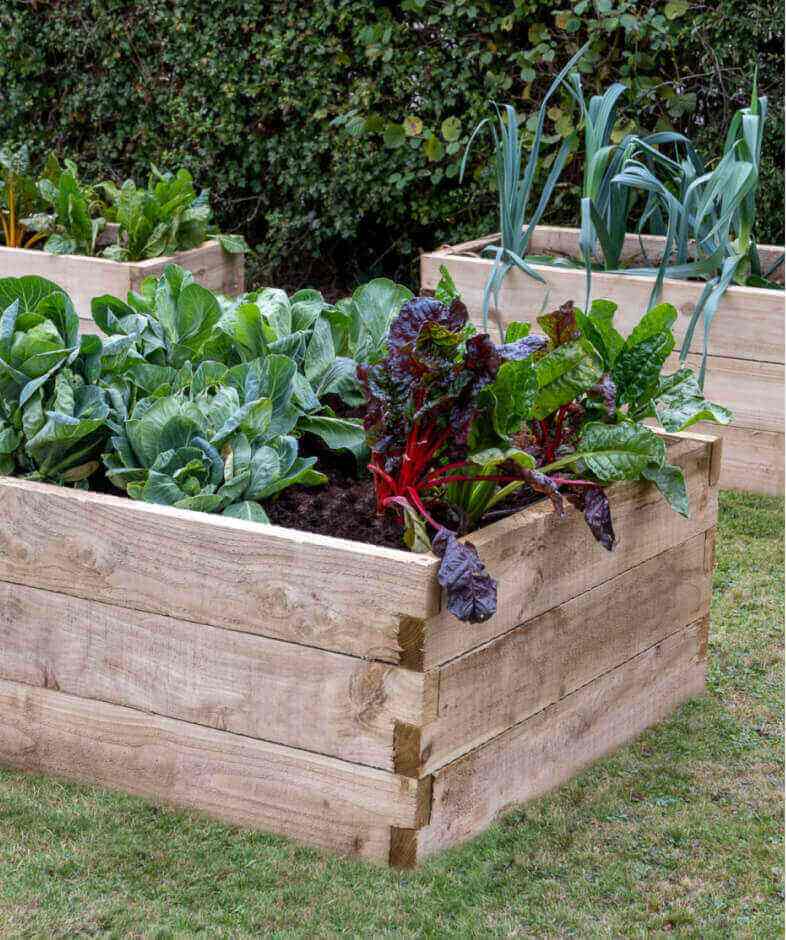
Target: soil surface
x=346 y=506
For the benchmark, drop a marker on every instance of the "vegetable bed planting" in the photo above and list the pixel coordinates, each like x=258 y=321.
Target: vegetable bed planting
x=161 y=634
x=317 y=687
x=101 y=238
x=658 y=222
x=745 y=363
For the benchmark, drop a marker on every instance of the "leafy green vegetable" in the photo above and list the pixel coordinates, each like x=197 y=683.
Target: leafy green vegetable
x=72 y=225
x=19 y=198
x=212 y=451
x=166 y=217
x=52 y=414
x=517 y=219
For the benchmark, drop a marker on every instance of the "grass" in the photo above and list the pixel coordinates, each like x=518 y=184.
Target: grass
x=679 y=834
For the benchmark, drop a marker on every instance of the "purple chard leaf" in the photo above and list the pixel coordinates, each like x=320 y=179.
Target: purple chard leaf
x=471 y=591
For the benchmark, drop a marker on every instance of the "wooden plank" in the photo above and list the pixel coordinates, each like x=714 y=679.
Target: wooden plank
x=536 y=664
x=82 y=278
x=212 y=267
x=547 y=749
x=318 y=800
x=289 y=585
x=752 y=390
x=560 y=240
x=749 y=323
x=540 y=560
x=307 y=698
x=753 y=460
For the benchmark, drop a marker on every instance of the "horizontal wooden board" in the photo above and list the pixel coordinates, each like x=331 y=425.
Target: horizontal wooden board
x=749 y=323
x=636 y=249
x=283 y=692
x=753 y=460
x=540 y=560
x=752 y=390
x=318 y=800
x=212 y=267
x=82 y=278
x=547 y=749
x=502 y=683
x=289 y=585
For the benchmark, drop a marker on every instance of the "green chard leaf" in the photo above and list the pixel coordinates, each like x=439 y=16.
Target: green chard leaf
x=637 y=367
x=670 y=481
x=614 y=452
x=564 y=374
x=680 y=403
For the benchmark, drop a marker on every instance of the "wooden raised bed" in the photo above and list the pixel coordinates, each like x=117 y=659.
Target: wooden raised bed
x=84 y=278
x=746 y=365
x=314 y=687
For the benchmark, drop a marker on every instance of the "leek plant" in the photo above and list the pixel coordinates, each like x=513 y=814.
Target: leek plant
x=711 y=216
x=605 y=204
x=515 y=190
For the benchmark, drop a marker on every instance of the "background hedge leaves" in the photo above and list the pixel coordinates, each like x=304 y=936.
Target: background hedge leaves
x=331 y=132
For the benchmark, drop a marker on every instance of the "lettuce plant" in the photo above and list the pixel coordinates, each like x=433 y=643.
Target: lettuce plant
x=52 y=412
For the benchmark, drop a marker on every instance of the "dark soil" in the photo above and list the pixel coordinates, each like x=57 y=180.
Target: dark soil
x=346 y=507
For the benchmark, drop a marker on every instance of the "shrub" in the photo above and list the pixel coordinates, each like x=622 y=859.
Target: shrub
x=331 y=132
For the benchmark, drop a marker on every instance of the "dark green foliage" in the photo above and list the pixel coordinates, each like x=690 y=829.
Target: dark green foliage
x=331 y=133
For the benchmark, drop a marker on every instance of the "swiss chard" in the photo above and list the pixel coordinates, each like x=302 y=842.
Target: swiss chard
x=72 y=224
x=19 y=199
x=456 y=424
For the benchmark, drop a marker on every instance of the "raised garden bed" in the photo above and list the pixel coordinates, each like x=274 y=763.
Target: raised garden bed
x=314 y=687
x=83 y=277
x=746 y=351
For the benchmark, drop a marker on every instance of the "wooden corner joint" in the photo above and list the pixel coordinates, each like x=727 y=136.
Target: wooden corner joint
x=716 y=456
x=403 y=851
x=411 y=641
x=704 y=638
x=406 y=749
x=709 y=551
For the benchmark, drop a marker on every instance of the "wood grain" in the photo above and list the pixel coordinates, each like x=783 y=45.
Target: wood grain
x=561 y=240
x=540 y=560
x=84 y=278
x=212 y=267
x=307 y=698
x=536 y=664
x=749 y=323
x=547 y=749
x=329 y=593
x=318 y=800
x=753 y=460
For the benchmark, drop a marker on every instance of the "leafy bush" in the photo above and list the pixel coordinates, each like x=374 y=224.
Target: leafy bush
x=246 y=95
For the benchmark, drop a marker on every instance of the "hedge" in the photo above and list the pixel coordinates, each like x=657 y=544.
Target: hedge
x=331 y=132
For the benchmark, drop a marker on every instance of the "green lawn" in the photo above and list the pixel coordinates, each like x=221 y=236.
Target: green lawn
x=678 y=834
